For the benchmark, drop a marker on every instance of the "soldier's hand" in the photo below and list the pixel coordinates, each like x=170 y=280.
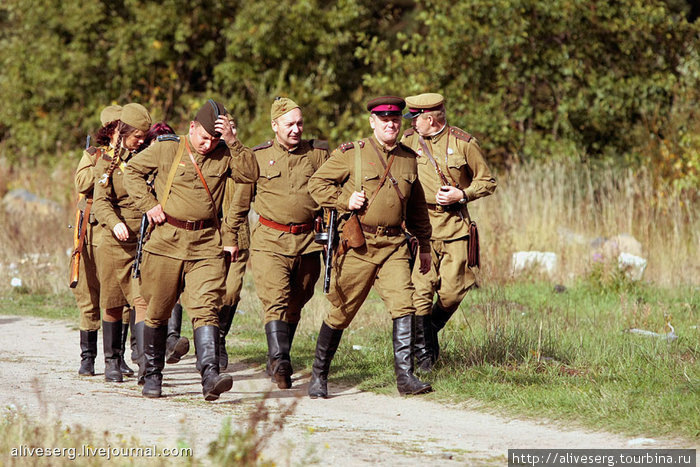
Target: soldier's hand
x=227 y=127
x=234 y=251
x=121 y=232
x=357 y=200
x=424 y=262
x=156 y=215
x=448 y=195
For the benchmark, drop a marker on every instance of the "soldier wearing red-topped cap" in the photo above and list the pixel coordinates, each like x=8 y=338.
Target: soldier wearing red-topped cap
x=373 y=182
x=453 y=172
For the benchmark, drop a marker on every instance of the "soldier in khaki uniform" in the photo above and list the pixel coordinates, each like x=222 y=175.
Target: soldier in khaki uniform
x=237 y=195
x=285 y=259
x=87 y=290
x=453 y=172
x=119 y=222
x=384 y=201
x=184 y=257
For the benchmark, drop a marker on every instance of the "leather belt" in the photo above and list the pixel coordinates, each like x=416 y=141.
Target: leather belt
x=389 y=231
x=190 y=225
x=289 y=228
x=440 y=208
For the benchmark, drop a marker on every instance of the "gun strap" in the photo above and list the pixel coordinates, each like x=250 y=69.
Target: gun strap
x=430 y=157
x=358 y=167
x=206 y=187
x=173 y=170
x=381 y=181
x=83 y=226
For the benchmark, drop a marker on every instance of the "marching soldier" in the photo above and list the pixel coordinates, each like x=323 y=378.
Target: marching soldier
x=119 y=222
x=87 y=288
x=374 y=179
x=453 y=172
x=285 y=259
x=184 y=256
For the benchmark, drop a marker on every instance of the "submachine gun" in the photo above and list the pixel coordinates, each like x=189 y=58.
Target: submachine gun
x=327 y=238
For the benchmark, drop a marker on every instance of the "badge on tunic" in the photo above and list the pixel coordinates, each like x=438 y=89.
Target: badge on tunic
x=122 y=166
x=420 y=152
x=272 y=162
x=450 y=151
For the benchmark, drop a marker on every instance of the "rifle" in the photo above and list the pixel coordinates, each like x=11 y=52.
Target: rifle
x=79 y=235
x=327 y=239
x=143 y=231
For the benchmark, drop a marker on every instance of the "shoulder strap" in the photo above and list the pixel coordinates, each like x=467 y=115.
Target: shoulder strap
x=171 y=174
x=358 y=167
x=430 y=157
x=387 y=173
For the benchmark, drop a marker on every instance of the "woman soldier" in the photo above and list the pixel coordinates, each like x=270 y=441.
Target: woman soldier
x=119 y=222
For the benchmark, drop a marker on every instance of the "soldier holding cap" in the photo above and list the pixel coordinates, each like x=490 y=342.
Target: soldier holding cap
x=284 y=257
x=184 y=256
x=453 y=172
x=87 y=289
x=376 y=178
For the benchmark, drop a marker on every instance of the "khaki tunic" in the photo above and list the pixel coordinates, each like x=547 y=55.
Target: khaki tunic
x=87 y=292
x=238 y=194
x=115 y=258
x=190 y=263
x=460 y=159
x=384 y=260
x=285 y=265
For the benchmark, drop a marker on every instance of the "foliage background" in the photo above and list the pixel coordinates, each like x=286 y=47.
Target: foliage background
x=589 y=80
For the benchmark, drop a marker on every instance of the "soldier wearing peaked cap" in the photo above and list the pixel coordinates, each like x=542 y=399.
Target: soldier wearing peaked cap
x=284 y=257
x=453 y=172
x=373 y=180
x=184 y=256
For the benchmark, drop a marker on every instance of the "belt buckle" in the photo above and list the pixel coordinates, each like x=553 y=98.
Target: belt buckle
x=294 y=228
x=381 y=230
x=439 y=208
x=190 y=225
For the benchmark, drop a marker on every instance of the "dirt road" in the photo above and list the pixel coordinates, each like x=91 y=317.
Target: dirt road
x=38 y=370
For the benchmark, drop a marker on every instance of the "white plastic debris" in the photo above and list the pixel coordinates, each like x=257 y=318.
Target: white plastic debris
x=541 y=261
x=633 y=266
x=670 y=336
x=640 y=441
x=16 y=282
x=357 y=347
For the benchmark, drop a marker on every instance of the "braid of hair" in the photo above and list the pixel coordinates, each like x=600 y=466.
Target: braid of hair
x=116 y=159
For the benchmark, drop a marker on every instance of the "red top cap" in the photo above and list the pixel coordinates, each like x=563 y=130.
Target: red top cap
x=386 y=105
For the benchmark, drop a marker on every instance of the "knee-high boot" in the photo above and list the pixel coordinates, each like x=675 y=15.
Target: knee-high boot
x=132 y=339
x=278 y=349
x=326 y=345
x=206 y=344
x=112 y=341
x=422 y=343
x=176 y=345
x=154 y=359
x=88 y=353
x=225 y=319
x=406 y=381
x=126 y=371
x=137 y=331
x=438 y=319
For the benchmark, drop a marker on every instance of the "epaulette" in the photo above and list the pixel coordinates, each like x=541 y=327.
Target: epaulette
x=106 y=156
x=409 y=132
x=168 y=137
x=460 y=134
x=349 y=145
x=264 y=145
x=319 y=144
x=91 y=150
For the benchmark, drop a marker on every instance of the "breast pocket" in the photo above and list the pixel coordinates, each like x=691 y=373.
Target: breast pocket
x=405 y=182
x=215 y=174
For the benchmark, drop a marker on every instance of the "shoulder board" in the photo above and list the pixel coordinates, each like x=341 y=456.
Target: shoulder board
x=264 y=145
x=91 y=150
x=106 y=157
x=168 y=137
x=407 y=149
x=349 y=145
x=460 y=134
x=409 y=132
x=319 y=144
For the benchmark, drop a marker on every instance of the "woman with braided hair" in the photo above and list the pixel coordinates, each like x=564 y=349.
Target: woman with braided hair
x=119 y=222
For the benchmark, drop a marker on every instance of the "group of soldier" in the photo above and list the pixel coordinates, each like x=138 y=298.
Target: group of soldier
x=391 y=192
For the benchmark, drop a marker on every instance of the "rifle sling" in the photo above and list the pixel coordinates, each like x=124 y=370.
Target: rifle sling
x=381 y=180
x=430 y=157
x=173 y=170
x=83 y=226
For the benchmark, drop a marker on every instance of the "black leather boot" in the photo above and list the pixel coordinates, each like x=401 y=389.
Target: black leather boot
x=406 y=381
x=176 y=346
x=154 y=359
x=422 y=343
x=112 y=341
x=137 y=333
x=88 y=353
x=268 y=365
x=126 y=371
x=278 y=349
x=326 y=345
x=206 y=343
x=438 y=318
x=225 y=319
x=132 y=339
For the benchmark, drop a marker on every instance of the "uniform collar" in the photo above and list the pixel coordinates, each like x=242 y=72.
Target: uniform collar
x=385 y=149
x=279 y=147
x=435 y=137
